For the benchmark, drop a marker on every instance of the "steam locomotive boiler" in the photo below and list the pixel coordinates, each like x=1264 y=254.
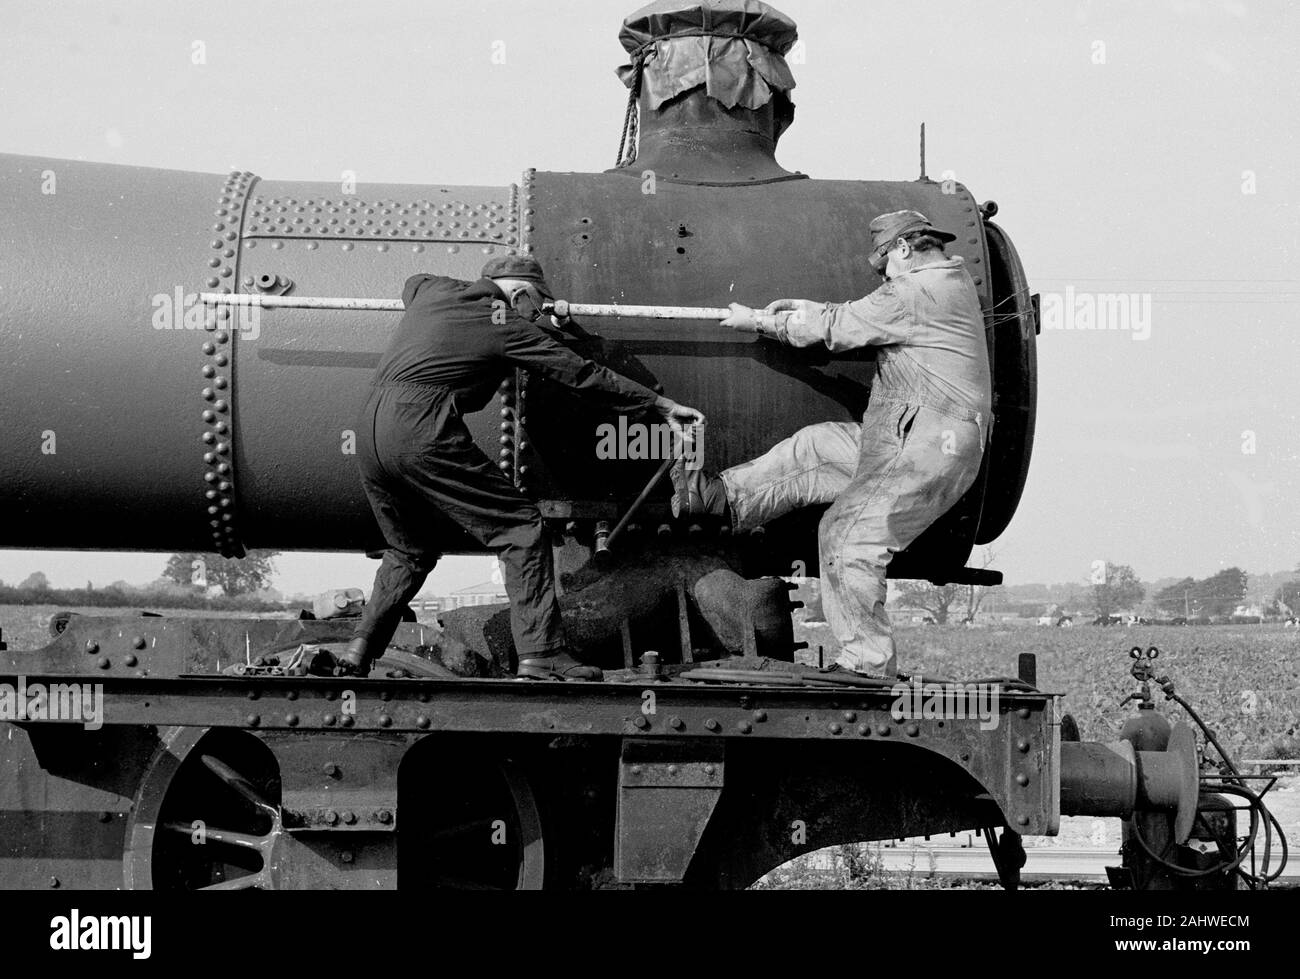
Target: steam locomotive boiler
x=135 y=417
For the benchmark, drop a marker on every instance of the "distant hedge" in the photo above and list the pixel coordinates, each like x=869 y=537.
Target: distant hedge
x=116 y=598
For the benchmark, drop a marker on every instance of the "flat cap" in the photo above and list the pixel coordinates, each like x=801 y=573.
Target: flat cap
x=886 y=228
x=514 y=267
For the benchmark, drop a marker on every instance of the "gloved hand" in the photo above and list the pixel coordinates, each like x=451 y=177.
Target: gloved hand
x=742 y=318
x=798 y=310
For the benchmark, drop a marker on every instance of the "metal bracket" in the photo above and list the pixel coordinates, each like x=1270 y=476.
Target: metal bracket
x=667 y=792
x=338 y=783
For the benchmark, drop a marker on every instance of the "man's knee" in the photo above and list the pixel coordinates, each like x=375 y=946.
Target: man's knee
x=412 y=561
x=827 y=443
x=525 y=532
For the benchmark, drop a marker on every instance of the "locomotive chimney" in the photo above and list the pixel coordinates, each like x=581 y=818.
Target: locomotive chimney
x=708 y=91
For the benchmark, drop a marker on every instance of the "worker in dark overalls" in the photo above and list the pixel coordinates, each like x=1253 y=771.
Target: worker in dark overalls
x=455 y=344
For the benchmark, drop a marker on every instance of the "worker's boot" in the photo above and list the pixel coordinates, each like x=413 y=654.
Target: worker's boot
x=698 y=493
x=560 y=666
x=355 y=660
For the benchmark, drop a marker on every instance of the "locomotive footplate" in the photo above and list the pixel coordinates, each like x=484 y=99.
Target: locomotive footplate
x=1011 y=753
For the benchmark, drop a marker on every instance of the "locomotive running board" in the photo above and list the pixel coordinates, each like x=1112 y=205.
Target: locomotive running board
x=1013 y=753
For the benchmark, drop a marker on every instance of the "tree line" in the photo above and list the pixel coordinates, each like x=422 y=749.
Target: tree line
x=1112 y=588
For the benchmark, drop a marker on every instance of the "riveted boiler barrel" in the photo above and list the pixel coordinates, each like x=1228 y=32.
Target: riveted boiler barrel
x=131 y=417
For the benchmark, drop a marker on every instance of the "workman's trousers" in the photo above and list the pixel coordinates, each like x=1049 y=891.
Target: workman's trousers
x=419 y=466
x=887 y=480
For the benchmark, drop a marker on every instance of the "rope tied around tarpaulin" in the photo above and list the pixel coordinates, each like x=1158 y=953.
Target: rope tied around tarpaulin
x=627 y=141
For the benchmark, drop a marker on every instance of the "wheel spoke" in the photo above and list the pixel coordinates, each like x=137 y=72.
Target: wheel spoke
x=237 y=782
x=246 y=883
x=215 y=834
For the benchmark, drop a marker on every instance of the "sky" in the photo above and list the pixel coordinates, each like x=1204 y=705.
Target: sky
x=1138 y=149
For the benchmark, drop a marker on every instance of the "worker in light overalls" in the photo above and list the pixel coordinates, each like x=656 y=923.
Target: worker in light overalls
x=916 y=452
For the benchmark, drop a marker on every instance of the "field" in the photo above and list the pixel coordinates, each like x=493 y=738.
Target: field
x=1244 y=681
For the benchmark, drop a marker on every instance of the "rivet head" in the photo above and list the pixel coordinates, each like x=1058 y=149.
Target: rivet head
x=328 y=720
x=331 y=817
x=1022 y=820
x=912 y=730
x=130 y=660
x=850 y=716
x=836 y=729
x=882 y=730
x=676 y=723
x=636 y=769
x=138 y=642
x=864 y=730
x=760 y=715
x=347 y=720
x=672 y=769
x=349 y=817
x=103 y=663
x=252 y=720
x=640 y=722
x=1024 y=713
x=744 y=727
x=422 y=721
x=709 y=769
x=291 y=720
x=711 y=724
x=1022 y=779
x=1022 y=746
x=92 y=646
x=330 y=768
x=384 y=816
x=385 y=720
